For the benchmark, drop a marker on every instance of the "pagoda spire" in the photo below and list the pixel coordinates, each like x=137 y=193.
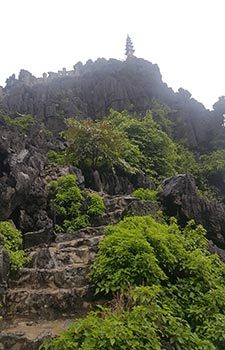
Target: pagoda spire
x=129 y=50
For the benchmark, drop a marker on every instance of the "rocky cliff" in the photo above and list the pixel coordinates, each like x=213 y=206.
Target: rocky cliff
x=43 y=297
x=90 y=90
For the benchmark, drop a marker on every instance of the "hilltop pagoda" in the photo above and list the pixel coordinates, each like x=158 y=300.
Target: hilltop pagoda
x=129 y=50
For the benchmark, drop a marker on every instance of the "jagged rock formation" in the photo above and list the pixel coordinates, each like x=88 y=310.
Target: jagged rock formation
x=55 y=283
x=90 y=90
x=180 y=198
x=25 y=174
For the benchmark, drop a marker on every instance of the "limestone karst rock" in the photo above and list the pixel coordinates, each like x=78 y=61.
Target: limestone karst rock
x=180 y=198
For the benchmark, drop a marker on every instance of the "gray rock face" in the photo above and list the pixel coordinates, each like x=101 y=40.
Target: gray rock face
x=180 y=198
x=4 y=271
x=90 y=90
x=116 y=182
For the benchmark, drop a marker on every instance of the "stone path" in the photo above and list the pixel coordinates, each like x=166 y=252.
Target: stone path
x=44 y=297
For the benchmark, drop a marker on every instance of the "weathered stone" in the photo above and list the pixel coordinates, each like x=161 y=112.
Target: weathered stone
x=180 y=198
x=4 y=270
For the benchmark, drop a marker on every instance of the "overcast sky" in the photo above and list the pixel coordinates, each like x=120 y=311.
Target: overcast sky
x=186 y=38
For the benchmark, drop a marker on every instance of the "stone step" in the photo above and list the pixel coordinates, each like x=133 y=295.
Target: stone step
x=89 y=242
x=28 y=334
x=61 y=256
x=47 y=303
x=71 y=276
x=84 y=233
x=64 y=253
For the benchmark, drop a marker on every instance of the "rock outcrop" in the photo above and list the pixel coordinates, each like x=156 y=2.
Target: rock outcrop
x=43 y=297
x=90 y=90
x=180 y=198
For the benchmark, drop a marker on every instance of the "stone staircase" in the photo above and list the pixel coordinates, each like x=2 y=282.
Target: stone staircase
x=44 y=297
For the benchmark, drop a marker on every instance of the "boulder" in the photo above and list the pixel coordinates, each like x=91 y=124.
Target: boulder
x=180 y=198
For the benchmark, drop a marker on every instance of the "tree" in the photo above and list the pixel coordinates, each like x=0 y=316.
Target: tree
x=94 y=143
x=158 y=151
x=129 y=47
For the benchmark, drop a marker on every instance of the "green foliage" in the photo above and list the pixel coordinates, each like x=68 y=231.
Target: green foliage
x=12 y=239
x=213 y=167
x=171 y=291
x=210 y=176
x=72 y=209
x=94 y=143
x=157 y=155
x=96 y=206
x=145 y=194
x=66 y=201
x=160 y=114
x=56 y=158
x=131 y=140
x=186 y=162
x=136 y=321
x=125 y=259
x=193 y=291
x=21 y=123
x=108 y=330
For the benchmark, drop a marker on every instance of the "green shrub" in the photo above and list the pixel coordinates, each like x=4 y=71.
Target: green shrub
x=22 y=123
x=137 y=321
x=68 y=204
x=171 y=291
x=96 y=206
x=145 y=194
x=66 y=201
x=125 y=259
x=12 y=243
x=56 y=158
x=93 y=144
x=75 y=224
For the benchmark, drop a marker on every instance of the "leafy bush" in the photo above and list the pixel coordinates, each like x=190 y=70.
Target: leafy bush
x=66 y=201
x=22 y=123
x=67 y=204
x=94 y=143
x=136 y=322
x=96 y=205
x=56 y=158
x=213 y=168
x=172 y=291
x=157 y=152
x=145 y=194
x=125 y=259
x=12 y=239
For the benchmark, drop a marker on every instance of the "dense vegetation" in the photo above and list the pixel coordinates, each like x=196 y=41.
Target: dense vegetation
x=21 y=123
x=163 y=288
x=166 y=288
x=12 y=241
x=145 y=194
x=169 y=291
x=137 y=143
x=72 y=208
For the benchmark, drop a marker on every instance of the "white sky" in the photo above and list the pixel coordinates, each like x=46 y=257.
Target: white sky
x=186 y=38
